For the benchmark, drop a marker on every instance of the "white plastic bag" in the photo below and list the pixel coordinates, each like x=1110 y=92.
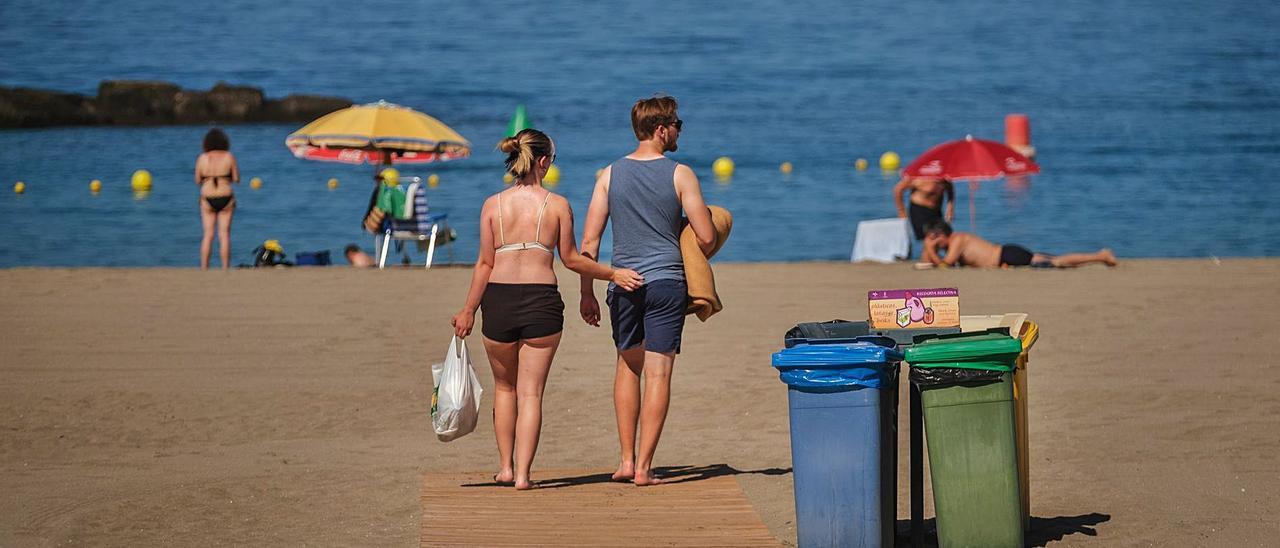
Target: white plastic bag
x=455 y=401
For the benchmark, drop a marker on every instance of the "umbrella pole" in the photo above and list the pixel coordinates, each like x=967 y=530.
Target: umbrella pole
x=973 y=211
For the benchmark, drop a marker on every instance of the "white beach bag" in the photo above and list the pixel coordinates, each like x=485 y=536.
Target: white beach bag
x=455 y=400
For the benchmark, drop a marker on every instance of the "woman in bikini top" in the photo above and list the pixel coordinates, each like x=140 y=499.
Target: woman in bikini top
x=515 y=287
x=216 y=171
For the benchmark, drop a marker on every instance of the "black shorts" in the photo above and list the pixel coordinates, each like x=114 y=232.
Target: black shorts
x=521 y=311
x=921 y=216
x=1016 y=255
x=653 y=315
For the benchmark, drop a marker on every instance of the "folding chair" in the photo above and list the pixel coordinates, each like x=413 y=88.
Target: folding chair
x=420 y=226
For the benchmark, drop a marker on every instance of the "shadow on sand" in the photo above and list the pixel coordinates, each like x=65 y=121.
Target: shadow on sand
x=669 y=474
x=1043 y=530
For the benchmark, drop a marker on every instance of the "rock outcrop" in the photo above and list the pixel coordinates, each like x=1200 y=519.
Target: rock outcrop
x=139 y=103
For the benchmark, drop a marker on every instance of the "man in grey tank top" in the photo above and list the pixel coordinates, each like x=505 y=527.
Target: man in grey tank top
x=644 y=193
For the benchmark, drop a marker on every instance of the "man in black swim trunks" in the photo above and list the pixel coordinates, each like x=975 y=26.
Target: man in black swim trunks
x=927 y=194
x=962 y=248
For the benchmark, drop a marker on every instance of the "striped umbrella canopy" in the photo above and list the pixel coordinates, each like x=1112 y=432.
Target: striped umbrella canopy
x=378 y=133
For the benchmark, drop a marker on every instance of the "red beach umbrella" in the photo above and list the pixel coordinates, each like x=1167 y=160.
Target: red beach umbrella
x=970 y=160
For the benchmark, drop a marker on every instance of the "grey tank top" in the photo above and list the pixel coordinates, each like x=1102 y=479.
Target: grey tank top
x=645 y=213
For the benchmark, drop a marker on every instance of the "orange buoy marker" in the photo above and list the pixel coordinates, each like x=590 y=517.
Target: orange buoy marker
x=95 y=186
x=860 y=164
x=1017 y=134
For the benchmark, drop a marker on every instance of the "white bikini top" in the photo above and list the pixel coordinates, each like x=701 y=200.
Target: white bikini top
x=535 y=244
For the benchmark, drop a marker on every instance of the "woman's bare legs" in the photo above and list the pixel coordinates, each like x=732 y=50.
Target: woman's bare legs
x=224 y=237
x=535 y=364
x=208 y=219
x=504 y=361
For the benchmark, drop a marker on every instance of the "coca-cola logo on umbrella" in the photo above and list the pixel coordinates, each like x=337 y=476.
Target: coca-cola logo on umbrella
x=932 y=168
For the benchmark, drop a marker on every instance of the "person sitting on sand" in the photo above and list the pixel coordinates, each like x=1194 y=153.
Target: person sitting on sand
x=359 y=258
x=962 y=248
x=515 y=286
x=927 y=194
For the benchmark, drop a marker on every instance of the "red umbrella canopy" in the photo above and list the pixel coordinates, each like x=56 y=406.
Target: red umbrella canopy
x=970 y=159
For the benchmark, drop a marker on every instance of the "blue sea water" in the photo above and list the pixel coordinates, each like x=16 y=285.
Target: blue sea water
x=1157 y=123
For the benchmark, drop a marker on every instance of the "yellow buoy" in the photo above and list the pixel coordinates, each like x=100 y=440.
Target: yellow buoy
x=19 y=187
x=861 y=164
x=553 y=175
x=890 y=161
x=433 y=180
x=333 y=183
x=785 y=167
x=508 y=178
x=141 y=181
x=722 y=167
x=95 y=186
x=255 y=183
x=599 y=172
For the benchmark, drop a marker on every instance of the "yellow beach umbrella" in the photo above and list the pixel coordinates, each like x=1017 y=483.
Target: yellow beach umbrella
x=378 y=133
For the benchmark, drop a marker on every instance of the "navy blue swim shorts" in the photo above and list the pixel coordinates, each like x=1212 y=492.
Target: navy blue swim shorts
x=653 y=315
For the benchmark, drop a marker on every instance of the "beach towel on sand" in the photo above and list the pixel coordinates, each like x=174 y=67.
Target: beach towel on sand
x=703 y=300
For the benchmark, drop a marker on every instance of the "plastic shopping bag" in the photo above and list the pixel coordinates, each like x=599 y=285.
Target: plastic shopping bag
x=455 y=401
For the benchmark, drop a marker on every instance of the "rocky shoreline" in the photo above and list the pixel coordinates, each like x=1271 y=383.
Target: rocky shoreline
x=147 y=103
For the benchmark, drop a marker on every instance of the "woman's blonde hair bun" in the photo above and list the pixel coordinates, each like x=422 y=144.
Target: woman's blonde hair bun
x=524 y=149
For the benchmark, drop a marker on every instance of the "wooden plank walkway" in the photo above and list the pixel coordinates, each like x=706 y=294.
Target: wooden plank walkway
x=584 y=508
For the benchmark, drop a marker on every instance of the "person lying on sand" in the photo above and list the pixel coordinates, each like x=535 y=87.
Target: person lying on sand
x=962 y=248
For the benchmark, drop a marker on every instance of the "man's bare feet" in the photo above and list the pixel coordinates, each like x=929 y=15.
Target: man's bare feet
x=626 y=471
x=504 y=477
x=1108 y=256
x=523 y=484
x=645 y=478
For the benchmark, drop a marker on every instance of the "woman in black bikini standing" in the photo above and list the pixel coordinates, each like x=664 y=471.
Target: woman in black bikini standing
x=515 y=287
x=216 y=171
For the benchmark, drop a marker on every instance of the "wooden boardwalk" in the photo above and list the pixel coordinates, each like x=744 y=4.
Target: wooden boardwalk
x=697 y=507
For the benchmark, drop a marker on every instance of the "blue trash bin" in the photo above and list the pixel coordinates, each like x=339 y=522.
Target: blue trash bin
x=843 y=400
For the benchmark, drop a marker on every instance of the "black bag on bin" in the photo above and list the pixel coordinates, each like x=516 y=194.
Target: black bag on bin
x=948 y=376
x=834 y=329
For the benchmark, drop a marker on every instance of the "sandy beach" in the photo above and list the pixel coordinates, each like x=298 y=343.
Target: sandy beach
x=290 y=407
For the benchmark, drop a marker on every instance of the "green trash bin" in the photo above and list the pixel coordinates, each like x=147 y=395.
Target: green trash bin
x=966 y=390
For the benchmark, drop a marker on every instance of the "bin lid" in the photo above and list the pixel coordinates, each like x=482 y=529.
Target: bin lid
x=837 y=354
x=839 y=364
x=990 y=349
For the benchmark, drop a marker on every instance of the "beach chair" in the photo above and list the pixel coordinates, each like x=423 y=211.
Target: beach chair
x=417 y=225
x=882 y=241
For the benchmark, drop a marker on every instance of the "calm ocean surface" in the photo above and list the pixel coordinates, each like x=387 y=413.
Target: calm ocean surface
x=1157 y=123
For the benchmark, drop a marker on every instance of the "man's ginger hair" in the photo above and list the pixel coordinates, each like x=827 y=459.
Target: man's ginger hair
x=648 y=114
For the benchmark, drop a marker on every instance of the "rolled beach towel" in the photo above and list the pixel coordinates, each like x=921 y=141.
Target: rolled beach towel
x=703 y=299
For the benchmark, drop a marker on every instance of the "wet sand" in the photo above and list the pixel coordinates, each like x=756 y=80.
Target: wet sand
x=161 y=406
